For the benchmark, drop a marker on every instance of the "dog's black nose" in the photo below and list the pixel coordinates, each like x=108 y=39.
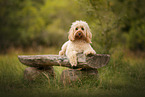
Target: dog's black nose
x=79 y=33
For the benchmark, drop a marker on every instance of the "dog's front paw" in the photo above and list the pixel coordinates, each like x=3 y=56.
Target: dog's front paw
x=61 y=53
x=92 y=52
x=73 y=63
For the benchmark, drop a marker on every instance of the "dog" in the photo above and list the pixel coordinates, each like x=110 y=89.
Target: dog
x=79 y=42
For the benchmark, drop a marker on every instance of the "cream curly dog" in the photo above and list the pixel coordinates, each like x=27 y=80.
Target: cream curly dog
x=79 y=42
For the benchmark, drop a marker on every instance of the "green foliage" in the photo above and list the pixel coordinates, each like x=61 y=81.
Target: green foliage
x=136 y=39
x=32 y=23
x=36 y=22
x=132 y=27
x=116 y=22
x=104 y=24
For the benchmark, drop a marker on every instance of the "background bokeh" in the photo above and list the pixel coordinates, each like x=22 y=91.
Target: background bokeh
x=32 y=23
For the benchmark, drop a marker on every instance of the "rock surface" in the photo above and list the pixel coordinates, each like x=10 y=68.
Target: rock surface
x=72 y=75
x=32 y=73
x=42 y=65
x=93 y=61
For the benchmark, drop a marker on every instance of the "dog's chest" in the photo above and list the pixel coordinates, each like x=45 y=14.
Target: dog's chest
x=78 y=46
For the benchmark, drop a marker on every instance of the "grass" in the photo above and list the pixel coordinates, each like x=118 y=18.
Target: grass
x=122 y=77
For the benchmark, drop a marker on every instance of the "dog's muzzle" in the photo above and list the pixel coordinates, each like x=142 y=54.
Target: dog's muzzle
x=79 y=34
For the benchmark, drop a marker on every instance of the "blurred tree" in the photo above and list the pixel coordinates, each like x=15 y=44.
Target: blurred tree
x=31 y=24
x=19 y=20
x=116 y=22
x=133 y=24
x=104 y=24
x=46 y=22
x=8 y=22
x=36 y=22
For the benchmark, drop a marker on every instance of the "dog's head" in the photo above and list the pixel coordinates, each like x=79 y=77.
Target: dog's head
x=80 y=30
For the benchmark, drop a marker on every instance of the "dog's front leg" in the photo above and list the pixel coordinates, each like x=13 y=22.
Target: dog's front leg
x=89 y=50
x=72 y=56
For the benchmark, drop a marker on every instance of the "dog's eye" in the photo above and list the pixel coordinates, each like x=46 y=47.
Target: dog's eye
x=82 y=28
x=76 y=28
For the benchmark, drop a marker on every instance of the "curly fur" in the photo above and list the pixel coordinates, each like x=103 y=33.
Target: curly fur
x=79 y=42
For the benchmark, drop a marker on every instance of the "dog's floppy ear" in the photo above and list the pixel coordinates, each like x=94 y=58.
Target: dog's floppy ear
x=88 y=35
x=71 y=34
